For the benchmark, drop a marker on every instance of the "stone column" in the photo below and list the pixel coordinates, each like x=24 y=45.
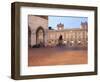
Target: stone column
x=46 y=37
x=33 y=37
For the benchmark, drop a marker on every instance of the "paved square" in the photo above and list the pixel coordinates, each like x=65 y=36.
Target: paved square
x=56 y=56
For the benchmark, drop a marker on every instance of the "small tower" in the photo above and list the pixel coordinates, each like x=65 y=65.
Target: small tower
x=60 y=26
x=84 y=25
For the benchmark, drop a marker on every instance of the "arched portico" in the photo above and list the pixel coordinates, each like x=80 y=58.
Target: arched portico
x=40 y=36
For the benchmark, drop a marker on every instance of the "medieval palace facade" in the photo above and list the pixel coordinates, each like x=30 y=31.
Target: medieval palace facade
x=40 y=34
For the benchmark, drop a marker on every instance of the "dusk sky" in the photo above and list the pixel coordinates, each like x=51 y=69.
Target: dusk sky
x=68 y=21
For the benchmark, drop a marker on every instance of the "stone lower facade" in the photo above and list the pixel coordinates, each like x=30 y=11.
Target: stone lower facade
x=70 y=37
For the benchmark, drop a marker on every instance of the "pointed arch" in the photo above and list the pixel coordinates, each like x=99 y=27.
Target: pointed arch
x=40 y=36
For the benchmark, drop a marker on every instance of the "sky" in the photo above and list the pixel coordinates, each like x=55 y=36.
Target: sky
x=68 y=21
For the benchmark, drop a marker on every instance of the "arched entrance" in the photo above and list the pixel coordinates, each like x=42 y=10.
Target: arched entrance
x=40 y=36
x=60 y=40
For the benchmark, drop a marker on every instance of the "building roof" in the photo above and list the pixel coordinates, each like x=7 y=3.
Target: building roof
x=60 y=25
x=45 y=17
x=73 y=29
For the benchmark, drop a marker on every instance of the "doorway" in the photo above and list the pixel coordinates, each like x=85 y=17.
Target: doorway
x=40 y=36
